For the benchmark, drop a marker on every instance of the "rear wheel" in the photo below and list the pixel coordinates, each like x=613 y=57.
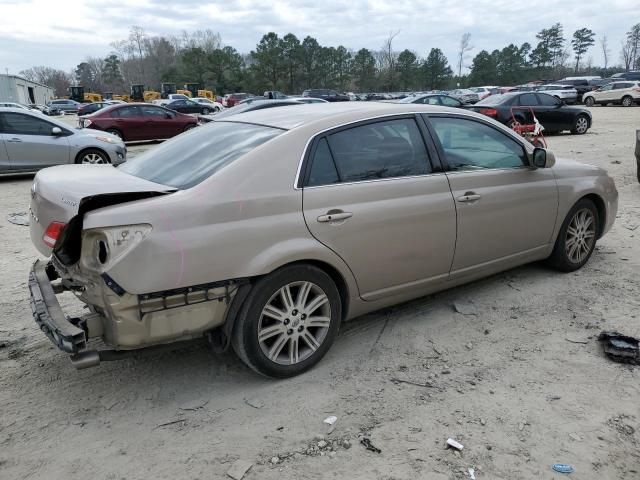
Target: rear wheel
x=589 y=102
x=206 y=111
x=116 y=132
x=627 y=101
x=92 y=157
x=577 y=237
x=581 y=125
x=288 y=322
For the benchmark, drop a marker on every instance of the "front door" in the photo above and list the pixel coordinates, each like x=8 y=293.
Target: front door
x=545 y=115
x=29 y=142
x=504 y=207
x=371 y=196
x=156 y=122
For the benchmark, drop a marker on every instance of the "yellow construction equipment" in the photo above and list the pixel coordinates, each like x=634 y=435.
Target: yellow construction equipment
x=184 y=92
x=92 y=97
x=122 y=98
x=151 y=95
x=207 y=94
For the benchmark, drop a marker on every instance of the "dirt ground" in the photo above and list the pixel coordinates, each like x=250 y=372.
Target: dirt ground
x=520 y=381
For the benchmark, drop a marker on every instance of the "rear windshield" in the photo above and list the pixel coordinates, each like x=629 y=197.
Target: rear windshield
x=495 y=99
x=191 y=157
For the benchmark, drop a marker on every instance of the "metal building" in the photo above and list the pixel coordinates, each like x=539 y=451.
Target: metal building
x=20 y=90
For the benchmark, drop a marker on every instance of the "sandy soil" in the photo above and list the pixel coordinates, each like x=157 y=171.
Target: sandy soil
x=522 y=382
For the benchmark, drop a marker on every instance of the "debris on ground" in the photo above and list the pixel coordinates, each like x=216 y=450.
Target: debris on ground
x=330 y=420
x=20 y=218
x=239 y=469
x=411 y=382
x=563 y=468
x=465 y=308
x=453 y=444
x=620 y=348
x=366 y=441
x=253 y=402
x=472 y=474
x=193 y=405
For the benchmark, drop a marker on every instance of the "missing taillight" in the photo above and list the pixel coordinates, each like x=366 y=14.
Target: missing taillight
x=103 y=253
x=52 y=233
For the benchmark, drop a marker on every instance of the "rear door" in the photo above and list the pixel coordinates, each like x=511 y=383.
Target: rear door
x=620 y=89
x=505 y=208
x=372 y=196
x=132 y=123
x=29 y=143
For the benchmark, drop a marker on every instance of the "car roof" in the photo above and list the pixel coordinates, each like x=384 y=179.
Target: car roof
x=326 y=115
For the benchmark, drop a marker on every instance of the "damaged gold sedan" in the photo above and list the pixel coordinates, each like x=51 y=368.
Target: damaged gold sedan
x=265 y=230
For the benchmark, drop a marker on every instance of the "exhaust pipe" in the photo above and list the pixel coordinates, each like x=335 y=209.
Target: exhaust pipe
x=84 y=360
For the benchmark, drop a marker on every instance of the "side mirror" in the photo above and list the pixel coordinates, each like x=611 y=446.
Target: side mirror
x=56 y=131
x=543 y=158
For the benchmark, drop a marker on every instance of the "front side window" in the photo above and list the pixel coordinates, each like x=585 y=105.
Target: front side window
x=472 y=145
x=148 y=111
x=190 y=158
x=608 y=87
x=388 y=149
x=18 y=124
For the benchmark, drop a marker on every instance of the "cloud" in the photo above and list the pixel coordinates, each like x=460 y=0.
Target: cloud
x=62 y=33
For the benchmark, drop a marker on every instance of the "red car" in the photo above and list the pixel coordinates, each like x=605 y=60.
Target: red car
x=236 y=98
x=139 y=121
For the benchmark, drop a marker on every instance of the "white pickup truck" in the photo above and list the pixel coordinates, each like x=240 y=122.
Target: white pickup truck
x=170 y=98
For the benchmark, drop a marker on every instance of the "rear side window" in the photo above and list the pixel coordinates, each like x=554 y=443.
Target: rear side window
x=190 y=158
x=528 y=99
x=388 y=149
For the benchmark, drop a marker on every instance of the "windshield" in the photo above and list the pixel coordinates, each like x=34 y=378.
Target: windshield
x=190 y=158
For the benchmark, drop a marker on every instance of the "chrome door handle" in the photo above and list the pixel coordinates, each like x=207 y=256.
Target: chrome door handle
x=14 y=140
x=469 y=197
x=334 y=217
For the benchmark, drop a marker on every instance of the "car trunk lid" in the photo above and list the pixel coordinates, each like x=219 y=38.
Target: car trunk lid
x=65 y=193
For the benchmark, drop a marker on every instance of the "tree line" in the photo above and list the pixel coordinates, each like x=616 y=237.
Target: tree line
x=292 y=65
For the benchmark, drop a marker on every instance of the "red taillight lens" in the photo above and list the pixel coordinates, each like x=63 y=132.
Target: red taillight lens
x=52 y=233
x=637 y=89
x=489 y=112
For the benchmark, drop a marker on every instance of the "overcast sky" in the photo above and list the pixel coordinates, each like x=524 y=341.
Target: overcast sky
x=60 y=33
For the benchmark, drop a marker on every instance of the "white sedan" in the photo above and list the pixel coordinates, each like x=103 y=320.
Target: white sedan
x=215 y=106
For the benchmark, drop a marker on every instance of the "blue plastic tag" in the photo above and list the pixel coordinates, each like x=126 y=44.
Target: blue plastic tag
x=563 y=468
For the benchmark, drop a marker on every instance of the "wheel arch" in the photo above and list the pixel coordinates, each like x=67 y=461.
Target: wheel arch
x=598 y=201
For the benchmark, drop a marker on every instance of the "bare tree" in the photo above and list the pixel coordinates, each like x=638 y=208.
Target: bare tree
x=605 y=50
x=465 y=46
x=389 y=58
x=136 y=40
x=626 y=54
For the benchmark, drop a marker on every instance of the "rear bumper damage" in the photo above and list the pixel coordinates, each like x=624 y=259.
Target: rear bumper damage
x=125 y=323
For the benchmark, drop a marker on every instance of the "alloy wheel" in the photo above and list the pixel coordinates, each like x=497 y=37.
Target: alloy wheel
x=294 y=323
x=93 y=158
x=581 y=235
x=626 y=102
x=582 y=125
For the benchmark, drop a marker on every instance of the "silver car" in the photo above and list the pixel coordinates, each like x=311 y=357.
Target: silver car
x=562 y=92
x=29 y=141
x=266 y=230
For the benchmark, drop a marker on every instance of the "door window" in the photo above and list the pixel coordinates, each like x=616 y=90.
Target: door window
x=450 y=102
x=528 y=99
x=471 y=145
x=620 y=86
x=19 y=124
x=548 y=100
x=126 y=112
x=153 y=112
x=607 y=87
x=388 y=149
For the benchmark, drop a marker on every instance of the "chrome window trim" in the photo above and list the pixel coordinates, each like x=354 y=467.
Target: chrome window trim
x=386 y=115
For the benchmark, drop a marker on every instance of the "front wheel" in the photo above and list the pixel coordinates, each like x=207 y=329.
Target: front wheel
x=206 y=111
x=93 y=157
x=627 y=101
x=581 y=125
x=288 y=322
x=577 y=237
x=589 y=102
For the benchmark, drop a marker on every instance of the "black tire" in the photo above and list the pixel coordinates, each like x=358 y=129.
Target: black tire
x=627 y=101
x=116 y=132
x=245 y=333
x=93 y=156
x=589 y=102
x=206 y=111
x=559 y=258
x=189 y=127
x=216 y=109
x=580 y=125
